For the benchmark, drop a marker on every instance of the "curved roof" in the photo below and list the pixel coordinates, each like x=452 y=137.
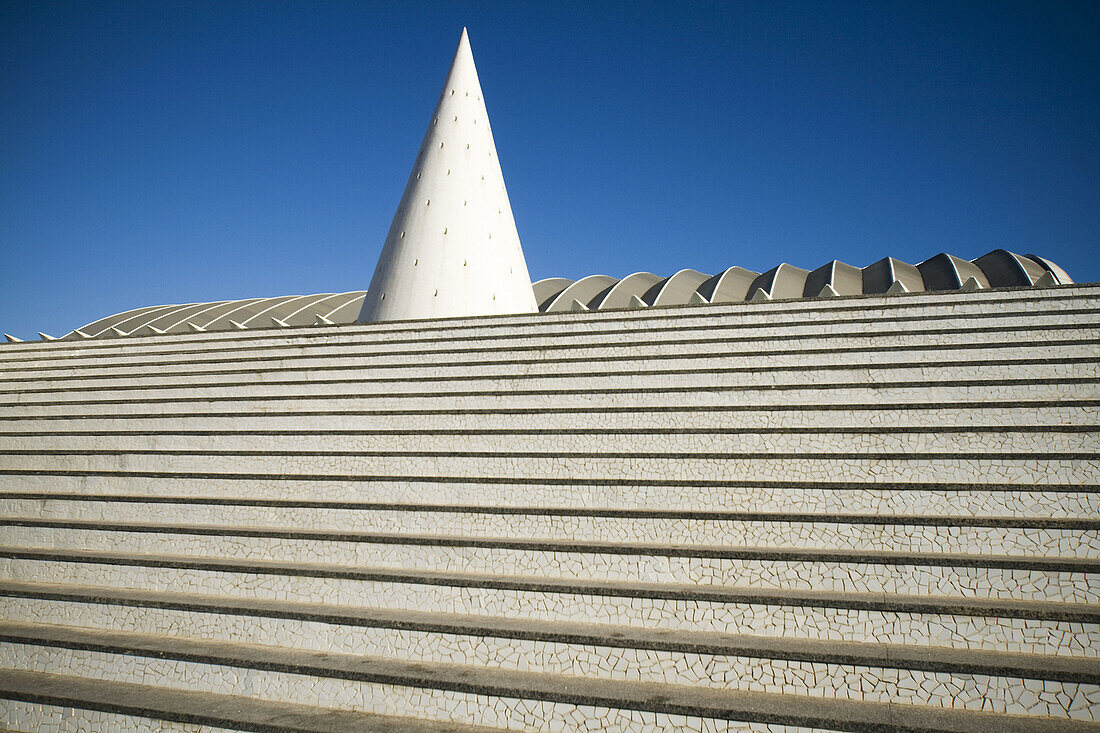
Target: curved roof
x=996 y=269
x=227 y=315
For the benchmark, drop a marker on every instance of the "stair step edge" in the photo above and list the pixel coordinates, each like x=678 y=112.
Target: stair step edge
x=643 y=696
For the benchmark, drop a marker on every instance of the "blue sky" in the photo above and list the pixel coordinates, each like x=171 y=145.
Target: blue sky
x=159 y=152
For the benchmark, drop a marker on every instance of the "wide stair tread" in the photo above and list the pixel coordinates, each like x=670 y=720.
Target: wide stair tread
x=703 y=702
x=234 y=712
x=1071 y=612
x=1068 y=564
x=926 y=658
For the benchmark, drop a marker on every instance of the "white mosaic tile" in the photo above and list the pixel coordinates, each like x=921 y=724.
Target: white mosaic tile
x=25 y=717
x=958 y=692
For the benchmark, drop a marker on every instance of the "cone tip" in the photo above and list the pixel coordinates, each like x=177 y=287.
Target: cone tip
x=463 y=48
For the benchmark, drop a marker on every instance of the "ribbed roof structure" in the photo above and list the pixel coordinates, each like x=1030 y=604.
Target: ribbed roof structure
x=997 y=269
x=452 y=249
x=227 y=315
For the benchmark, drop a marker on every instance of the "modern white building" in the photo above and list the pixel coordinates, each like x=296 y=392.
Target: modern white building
x=858 y=499
x=453 y=249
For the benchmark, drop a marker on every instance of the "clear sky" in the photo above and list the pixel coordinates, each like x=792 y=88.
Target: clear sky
x=160 y=152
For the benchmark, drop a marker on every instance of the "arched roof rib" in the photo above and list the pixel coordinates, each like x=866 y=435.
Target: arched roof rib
x=182 y=320
x=198 y=317
x=277 y=307
x=138 y=316
x=225 y=312
x=582 y=291
x=160 y=321
x=998 y=268
x=1004 y=268
x=839 y=278
x=729 y=286
x=1057 y=272
x=782 y=282
x=675 y=290
x=314 y=303
x=881 y=276
x=546 y=289
x=945 y=272
x=348 y=310
x=627 y=293
x=247 y=312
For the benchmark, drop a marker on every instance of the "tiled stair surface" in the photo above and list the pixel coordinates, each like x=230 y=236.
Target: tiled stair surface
x=876 y=513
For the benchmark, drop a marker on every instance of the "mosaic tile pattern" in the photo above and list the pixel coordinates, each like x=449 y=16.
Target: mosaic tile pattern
x=305 y=368
x=30 y=717
x=974 y=692
x=787 y=391
x=573 y=396
x=961 y=469
x=1039 y=584
x=672 y=416
x=693 y=440
x=800 y=622
x=961 y=502
x=685 y=532
x=561 y=379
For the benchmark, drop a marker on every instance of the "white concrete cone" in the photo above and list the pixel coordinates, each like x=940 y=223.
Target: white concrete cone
x=453 y=248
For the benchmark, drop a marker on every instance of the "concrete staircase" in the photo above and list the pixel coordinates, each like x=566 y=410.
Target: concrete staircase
x=873 y=513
